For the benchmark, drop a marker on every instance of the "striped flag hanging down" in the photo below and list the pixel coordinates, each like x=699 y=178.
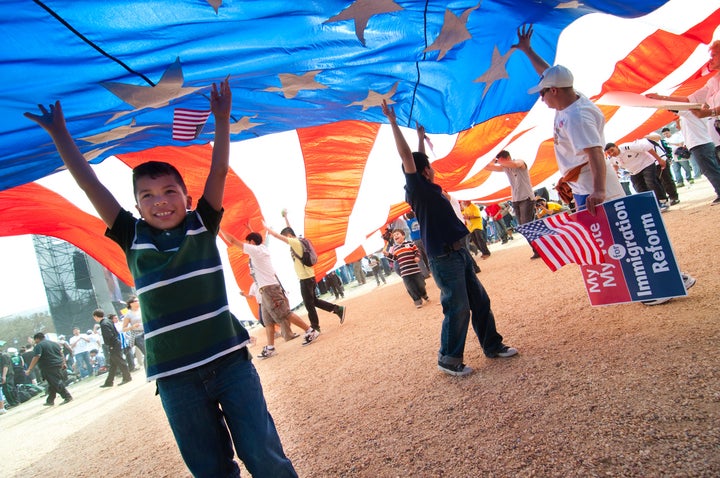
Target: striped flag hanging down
x=560 y=240
x=187 y=124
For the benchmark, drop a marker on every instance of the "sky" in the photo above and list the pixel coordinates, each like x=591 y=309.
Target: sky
x=589 y=56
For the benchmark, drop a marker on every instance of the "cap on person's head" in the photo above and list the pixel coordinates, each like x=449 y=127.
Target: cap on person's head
x=89 y=332
x=554 y=77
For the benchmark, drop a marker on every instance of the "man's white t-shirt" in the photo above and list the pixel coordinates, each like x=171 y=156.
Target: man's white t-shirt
x=79 y=345
x=635 y=156
x=710 y=95
x=694 y=129
x=262 y=264
x=577 y=127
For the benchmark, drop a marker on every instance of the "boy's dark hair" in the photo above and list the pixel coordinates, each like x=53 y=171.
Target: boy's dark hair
x=665 y=129
x=98 y=313
x=400 y=231
x=155 y=169
x=39 y=336
x=610 y=145
x=288 y=231
x=421 y=161
x=502 y=154
x=255 y=238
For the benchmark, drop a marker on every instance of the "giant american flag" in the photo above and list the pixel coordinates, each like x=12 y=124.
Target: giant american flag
x=308 y=78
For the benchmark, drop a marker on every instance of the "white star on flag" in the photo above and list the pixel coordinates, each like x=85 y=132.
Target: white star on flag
x=559 y=240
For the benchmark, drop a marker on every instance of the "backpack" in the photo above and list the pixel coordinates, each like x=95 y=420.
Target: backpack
x=682 y=152
x=309 y=256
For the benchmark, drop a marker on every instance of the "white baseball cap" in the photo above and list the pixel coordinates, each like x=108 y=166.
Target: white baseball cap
x=554 y=77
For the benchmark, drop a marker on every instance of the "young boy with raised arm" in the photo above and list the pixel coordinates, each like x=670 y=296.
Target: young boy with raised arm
x=196 y=350
x=463 y=297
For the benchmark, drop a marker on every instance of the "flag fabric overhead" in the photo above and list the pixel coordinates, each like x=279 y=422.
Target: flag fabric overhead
x=559 y=240
x=121 y=66
x=307 y=81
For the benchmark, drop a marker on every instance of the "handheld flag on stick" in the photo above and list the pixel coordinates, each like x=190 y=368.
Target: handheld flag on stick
x=560 y=240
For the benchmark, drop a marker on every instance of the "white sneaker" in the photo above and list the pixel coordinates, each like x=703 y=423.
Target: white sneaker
x=311 y=337
x=657 y=301
x=688 y=280
x=267 y=353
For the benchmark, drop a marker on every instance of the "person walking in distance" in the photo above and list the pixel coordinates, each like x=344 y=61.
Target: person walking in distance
x=111 y=338
x=306 y=275
x=48 y=356
x=132 y=325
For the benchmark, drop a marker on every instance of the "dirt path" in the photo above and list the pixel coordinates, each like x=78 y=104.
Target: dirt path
x=615 y=391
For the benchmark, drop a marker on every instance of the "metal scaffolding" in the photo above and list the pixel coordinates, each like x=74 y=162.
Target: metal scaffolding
x=75 y=284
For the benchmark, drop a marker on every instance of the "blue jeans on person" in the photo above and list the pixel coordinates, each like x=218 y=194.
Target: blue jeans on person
x=678 y=166
x=83 y=362
x=208 y=405
x=704 y=155
x=464 y=301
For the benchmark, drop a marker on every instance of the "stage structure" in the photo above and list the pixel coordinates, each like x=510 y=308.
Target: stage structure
x=76 y=284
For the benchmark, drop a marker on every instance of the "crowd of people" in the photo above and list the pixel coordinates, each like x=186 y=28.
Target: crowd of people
x=84 y=356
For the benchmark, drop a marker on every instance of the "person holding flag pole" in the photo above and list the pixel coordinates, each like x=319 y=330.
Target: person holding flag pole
x=579 y=139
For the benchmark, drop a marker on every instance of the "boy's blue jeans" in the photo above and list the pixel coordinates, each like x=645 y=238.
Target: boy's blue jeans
x=463 y=300
x=207 y=405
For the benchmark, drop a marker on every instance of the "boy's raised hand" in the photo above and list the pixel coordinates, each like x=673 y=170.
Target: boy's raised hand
x=51 y=120
x=221 y=99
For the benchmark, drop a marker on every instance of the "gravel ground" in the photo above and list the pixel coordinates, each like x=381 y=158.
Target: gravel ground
x=623 y=390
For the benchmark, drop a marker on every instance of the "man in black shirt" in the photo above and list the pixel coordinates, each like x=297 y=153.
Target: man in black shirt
x=52 y=364
x=111 y=337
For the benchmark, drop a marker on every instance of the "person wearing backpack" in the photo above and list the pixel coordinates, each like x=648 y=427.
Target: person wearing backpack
x=304 y=257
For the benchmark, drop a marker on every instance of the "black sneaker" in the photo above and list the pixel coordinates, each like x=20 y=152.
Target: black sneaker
x=503 y=352
x=716 y=201
x=341 y=309
x=67 y=400
x=458 y=370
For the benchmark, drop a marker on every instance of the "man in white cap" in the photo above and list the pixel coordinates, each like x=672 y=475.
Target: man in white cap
x=578 y=132
x=579 y=137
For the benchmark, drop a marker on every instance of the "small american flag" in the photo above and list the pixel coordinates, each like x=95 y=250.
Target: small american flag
x=187 y=124
x=559 y=240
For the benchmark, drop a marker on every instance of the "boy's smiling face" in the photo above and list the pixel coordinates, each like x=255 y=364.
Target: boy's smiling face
x=161 y=201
